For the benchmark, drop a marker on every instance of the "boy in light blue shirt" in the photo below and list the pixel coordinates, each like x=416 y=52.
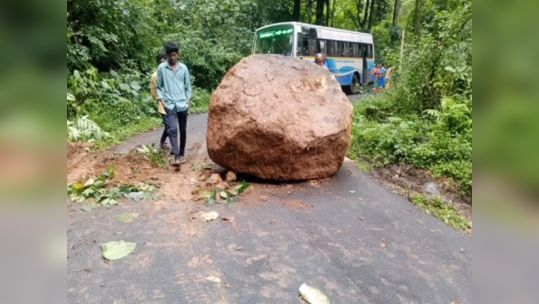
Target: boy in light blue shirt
x=174 y=90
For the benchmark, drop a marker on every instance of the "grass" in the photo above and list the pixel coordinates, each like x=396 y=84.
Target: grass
x=363 y=165
x=439 y=209
x=123 y=133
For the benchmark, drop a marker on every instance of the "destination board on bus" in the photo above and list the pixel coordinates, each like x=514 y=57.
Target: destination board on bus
x=274 y=33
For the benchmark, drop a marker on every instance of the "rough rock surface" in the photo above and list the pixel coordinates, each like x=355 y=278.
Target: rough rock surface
x=279 y=118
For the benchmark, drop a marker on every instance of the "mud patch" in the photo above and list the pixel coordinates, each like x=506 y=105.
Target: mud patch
x=407 y=181
x=296 y=205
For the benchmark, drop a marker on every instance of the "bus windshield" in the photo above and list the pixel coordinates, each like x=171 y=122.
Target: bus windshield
x=277 y=41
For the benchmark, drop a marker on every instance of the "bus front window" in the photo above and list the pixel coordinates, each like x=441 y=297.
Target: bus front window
x=276 y=41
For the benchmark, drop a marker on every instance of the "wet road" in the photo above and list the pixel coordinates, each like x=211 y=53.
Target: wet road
x=348 y=236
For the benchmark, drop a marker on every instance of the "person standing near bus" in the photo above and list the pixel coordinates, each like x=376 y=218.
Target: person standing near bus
x=377 y=78
x=174 y=90
x=383 y=71
x=161 y=57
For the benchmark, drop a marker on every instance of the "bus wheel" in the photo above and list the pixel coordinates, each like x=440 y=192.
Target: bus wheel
x=354 y=88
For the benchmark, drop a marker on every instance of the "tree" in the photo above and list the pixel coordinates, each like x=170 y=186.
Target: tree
x=297 y=10
x=396 y=9
x=320 y=5
x=417 y=18
x=366 y=14
x=372 y=14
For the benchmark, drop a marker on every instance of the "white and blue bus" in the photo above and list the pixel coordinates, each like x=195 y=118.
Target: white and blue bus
x=350 y=54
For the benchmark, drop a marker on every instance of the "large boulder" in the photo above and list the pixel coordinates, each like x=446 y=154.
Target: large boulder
x=279 y=118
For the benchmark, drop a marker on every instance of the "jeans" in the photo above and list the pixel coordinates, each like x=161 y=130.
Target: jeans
x=165 y=133
x=173 y=120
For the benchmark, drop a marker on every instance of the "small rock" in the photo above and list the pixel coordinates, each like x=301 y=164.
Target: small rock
x=213 y=279
x=210 y=216
x=462 y=250
x=222 y=186
x=231 y=177
x=431 y=189
x=272 y=222
x=361 y=219
x=202 y=178
x=383 y=246
x=215 y=179
x=263 y=199
x=195 y=191
x=228 y=219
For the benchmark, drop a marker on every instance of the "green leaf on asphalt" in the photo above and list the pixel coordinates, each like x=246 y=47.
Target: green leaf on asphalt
x=117 y=250
x=127 y=217
x=243 y=187
x=223 y=194
x=89 y=208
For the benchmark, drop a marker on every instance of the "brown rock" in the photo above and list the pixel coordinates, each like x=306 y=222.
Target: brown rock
x=222 y=186
x=279 y=118
x=214 y=179
x=231 y=177
x=263 y=199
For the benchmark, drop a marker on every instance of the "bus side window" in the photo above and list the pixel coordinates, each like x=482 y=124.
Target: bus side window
x=356 y=50
x=334 y=49
x=369 y=51
x=346 y=49
x=323 y=46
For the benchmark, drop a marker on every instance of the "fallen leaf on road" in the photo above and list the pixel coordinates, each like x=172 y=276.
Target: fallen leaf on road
x=213 y=279
x=117 y=250
x=210 y=216
x=313 y=295
x=127 y=217
x=89 y=208
x=383 y=246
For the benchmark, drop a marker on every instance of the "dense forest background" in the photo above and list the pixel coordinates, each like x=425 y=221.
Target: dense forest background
x=424 y=120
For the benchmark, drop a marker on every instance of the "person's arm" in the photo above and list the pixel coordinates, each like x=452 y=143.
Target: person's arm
x=187 y=83
x=160 y=84
x=154 y=88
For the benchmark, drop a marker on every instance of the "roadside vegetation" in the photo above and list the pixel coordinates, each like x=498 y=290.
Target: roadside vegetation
x=426 y=118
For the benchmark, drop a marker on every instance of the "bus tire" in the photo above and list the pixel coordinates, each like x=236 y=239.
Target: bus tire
x=354 y=87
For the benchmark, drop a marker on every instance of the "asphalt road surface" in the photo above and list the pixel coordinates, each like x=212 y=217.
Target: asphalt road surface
x=348 y=236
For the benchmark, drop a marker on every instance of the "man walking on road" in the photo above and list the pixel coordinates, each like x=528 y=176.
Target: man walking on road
x=161 y=57
x=174 y=90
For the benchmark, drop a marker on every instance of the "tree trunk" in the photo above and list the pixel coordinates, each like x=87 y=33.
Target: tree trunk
x=418 y=7
x=333 y=14
x=320 y=4
x=297 y=10
x=372 y=14
x=310 y=7
x=396 y=10
x=365 y=15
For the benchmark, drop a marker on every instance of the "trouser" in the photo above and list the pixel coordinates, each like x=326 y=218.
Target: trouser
x=165 y=133
x=383 y=82
x=173 y=120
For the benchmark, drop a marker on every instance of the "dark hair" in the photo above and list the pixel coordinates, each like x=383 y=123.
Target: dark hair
x=160 y=55
x=171 y=47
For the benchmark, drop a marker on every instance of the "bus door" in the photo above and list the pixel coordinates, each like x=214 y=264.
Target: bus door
x=365 y=77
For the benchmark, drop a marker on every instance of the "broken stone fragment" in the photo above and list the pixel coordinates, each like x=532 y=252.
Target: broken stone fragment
x=222 y=186
x=214 y=179
x=231 y=177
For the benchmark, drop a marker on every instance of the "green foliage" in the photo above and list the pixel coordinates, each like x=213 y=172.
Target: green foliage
x=200 y=102
x=426 y=117
x=447 y=214
x=229 y=197
x=156 y=158
x=83 y=129
x=97 y=193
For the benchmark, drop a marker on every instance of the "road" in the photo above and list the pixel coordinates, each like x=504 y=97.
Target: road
x=347 y=235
